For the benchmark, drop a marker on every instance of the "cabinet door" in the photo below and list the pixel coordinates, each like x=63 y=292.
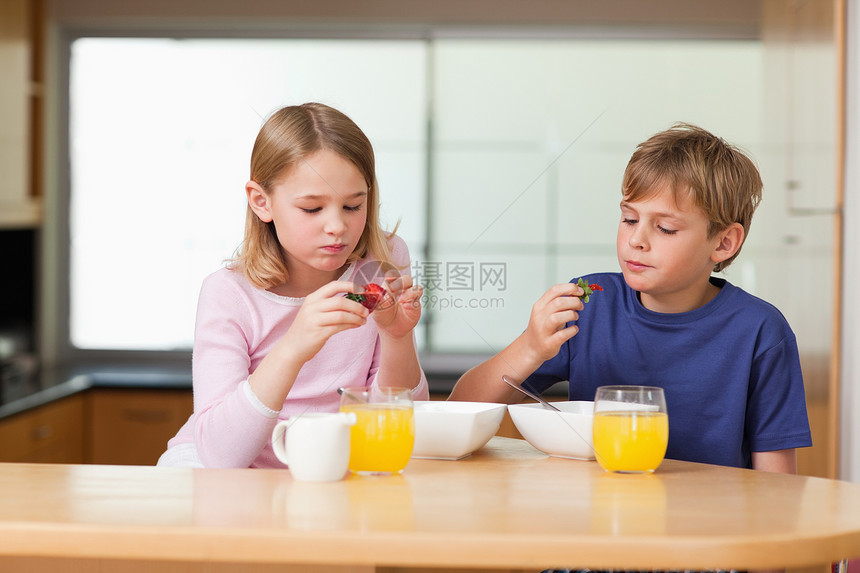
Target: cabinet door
x=50 y=433
x=16 y=206
x=131 y=427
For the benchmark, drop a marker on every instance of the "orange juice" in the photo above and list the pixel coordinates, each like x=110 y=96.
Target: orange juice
x=382 y=438
x=627 y=441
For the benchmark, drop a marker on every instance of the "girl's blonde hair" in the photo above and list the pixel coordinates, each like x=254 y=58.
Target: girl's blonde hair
x=690 y=161
x=288 y=135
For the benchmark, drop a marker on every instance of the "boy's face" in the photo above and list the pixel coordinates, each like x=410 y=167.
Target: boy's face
x=665 y=253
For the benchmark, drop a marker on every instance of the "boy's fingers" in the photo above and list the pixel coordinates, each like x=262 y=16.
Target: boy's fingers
x=565 y=317
x=561 y=304
x=567 y=303
x=561 y=290
x=565 y=334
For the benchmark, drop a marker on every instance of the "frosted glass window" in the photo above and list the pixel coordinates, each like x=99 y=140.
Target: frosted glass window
x=502 y=160
x=531 y=138
x=161 y=133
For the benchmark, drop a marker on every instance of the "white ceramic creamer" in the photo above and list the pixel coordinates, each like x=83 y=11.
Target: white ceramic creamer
x=314 y=446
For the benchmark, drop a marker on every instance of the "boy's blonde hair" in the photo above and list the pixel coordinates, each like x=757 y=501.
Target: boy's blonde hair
x=688 y=160
x=288 y=135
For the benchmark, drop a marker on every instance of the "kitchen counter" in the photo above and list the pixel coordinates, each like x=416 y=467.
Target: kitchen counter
x=54 y=385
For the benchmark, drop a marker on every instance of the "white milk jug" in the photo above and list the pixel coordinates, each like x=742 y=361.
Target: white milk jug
x=314 y=446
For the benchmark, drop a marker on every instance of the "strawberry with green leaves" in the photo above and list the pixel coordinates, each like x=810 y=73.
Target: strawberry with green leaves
x=588 y=288
x=371 y=296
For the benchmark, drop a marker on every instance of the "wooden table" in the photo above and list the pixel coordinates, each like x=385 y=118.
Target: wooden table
x=508 y=507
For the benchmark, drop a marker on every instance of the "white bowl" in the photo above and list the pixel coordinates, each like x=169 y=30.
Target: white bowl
x=565 y=434
x=453 y=430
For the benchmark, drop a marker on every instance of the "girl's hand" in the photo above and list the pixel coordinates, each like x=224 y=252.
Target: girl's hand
x=547 y=329
x=399 y=310
x=324 y=313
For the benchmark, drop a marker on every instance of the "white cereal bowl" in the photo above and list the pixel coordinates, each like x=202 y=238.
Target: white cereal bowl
x=565 y=434
x=453 y=430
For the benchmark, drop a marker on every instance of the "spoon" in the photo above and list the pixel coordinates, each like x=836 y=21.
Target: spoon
x=532 y=395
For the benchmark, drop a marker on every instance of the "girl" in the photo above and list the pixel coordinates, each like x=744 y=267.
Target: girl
x=275 y=337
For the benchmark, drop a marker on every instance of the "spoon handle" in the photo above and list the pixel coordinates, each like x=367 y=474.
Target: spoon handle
x=528 y=393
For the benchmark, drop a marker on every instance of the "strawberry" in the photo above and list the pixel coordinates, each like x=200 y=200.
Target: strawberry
x=588 y=288
x=371 y=296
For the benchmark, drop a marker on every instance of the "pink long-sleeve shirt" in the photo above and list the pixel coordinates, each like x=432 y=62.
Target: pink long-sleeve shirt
x=237 y=326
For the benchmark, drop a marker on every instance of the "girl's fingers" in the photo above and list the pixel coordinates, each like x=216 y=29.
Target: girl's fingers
x=336 y=287
x=334 y=317
x=398 y=285
x=336 y=307
x=327 y=307
x=412 y=294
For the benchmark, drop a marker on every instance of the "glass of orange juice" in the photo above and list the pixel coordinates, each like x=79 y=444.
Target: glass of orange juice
x=631 y=428
x=382 y=438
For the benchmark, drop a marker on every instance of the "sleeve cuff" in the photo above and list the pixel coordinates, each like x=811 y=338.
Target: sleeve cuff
x=257 y=403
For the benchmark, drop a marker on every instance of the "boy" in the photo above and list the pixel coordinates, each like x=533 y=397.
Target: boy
x=727 y=360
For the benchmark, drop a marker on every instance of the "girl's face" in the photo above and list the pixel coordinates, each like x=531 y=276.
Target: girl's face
x=319 y=209
x=665 y=253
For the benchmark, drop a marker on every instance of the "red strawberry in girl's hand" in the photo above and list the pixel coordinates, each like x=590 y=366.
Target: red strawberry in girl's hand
x=371 y=296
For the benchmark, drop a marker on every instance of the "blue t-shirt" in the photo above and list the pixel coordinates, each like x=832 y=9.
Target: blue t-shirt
x=730 y=369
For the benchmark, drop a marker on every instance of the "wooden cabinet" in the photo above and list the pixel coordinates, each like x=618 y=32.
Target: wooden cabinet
x=98 y=426
x=50 y=433
x=132 y=426
x=18 y=207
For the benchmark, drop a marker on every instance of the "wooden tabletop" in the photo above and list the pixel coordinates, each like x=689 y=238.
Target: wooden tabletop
x=506 y=506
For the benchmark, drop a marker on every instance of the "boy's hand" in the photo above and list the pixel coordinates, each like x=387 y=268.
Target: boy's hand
x=400 y=308
x=547 y=329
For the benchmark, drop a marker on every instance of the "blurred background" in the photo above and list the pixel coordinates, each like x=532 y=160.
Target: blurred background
x=502 y=130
